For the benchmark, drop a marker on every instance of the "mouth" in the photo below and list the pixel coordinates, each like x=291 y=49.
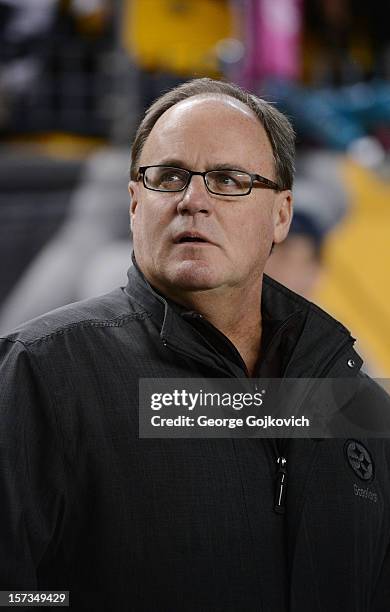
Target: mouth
x=191 y=237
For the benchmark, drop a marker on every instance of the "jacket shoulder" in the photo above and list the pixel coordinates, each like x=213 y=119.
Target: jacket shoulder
x=110 y=310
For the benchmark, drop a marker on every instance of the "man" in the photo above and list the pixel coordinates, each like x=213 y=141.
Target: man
x=126 y=523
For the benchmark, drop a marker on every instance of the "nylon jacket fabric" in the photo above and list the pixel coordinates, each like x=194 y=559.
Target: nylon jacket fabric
x=148 y=524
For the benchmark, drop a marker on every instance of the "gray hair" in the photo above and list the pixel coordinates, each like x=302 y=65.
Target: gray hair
x=278 y=128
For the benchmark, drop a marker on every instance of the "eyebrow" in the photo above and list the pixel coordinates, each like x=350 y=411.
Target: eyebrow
x=228 y=167
x=177 y=163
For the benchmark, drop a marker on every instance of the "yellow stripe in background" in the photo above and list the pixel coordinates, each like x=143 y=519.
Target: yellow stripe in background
x=356 y=284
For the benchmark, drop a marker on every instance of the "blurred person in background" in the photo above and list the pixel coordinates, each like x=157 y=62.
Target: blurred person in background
x=321 y=203
x=140 y=524
x=297 y=261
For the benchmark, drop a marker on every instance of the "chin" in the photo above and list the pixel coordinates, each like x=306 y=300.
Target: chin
x=194 y=275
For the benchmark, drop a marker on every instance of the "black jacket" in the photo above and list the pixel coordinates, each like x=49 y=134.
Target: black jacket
x=142 y=524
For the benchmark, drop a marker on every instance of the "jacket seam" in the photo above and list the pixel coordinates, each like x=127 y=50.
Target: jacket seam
x=117 y=322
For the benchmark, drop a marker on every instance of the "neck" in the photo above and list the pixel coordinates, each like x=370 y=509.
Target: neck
x=236 y=312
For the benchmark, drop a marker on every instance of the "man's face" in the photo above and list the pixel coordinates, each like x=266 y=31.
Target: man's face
x=204 y=133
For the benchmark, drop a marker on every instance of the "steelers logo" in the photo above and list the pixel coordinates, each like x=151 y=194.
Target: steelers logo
x=359 y=460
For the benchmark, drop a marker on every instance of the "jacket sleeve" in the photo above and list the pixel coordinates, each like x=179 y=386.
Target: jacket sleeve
x=365 y=408
x=31 y=469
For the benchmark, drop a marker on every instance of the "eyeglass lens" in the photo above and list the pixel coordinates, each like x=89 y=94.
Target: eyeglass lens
x=223 y=182
x=228 y=182
x=165 y=178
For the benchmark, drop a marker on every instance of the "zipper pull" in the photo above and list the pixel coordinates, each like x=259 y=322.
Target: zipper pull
x=281 y=485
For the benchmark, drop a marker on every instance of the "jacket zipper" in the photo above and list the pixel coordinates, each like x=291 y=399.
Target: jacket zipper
x=281 y=485
x=281 y=461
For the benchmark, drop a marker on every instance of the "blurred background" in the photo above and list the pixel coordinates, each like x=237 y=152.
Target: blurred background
x=75 y=78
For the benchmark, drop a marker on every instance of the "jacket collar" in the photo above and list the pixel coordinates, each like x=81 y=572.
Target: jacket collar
x=323 y=347
x=173 y=323
x=301 y=340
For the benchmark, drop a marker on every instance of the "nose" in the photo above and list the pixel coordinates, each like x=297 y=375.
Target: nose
x=195 y=199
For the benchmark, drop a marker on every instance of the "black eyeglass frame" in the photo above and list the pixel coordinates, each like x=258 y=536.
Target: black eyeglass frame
x=264 y=182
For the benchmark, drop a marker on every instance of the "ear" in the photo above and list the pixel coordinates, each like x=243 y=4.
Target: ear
x=133 y=191
x=283 y=211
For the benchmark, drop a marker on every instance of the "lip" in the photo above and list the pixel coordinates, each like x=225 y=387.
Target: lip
x=191 y=234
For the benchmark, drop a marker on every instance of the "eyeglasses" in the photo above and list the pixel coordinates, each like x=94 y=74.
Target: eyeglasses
x=218 y=182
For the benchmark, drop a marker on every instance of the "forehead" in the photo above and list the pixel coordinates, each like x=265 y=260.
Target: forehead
x=208 y=129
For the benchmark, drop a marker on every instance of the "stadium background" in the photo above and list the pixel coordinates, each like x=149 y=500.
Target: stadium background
x=76 y=75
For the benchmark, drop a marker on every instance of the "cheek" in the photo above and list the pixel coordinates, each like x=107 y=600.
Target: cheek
x=254 y=238
x=145 y=220
x=151 y=223
x=141 y=227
